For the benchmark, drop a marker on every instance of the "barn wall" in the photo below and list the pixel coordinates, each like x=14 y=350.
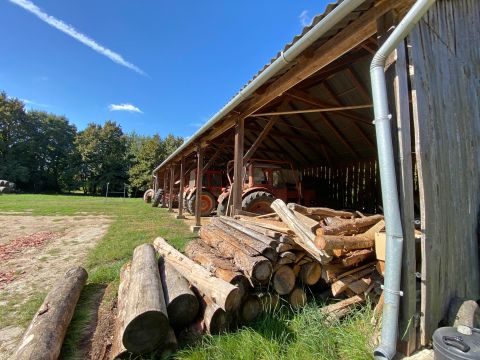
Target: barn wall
x=445 y=54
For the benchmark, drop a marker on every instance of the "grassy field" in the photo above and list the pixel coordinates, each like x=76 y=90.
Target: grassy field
x=282 y=334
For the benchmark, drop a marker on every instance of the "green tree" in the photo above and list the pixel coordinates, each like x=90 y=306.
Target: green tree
x=103 y=154
x=144 y=160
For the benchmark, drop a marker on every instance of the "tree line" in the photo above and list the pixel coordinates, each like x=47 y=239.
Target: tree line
x=44 y=152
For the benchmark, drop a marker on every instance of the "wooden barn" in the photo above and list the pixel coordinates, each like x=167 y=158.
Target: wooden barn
x=312 y=106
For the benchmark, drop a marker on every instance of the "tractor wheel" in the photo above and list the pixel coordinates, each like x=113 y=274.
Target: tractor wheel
x=158 y=198
x=222 y=207
x=148 y=195
x=207 y=204
x=258 y=202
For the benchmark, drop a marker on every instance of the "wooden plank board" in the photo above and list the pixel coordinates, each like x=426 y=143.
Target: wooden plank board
x=445 y=52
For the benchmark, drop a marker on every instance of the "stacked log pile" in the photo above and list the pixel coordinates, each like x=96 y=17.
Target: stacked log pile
x=240 y=266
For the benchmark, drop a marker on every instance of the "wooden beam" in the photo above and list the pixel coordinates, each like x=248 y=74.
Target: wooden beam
x=347 y=39
x=165 y=175
x=238 y=164
x=182 y=185
x=170 y=188
x=358 y=84
x=308 y=111
x=259 y=139
x=215 y=155
x=198 y=186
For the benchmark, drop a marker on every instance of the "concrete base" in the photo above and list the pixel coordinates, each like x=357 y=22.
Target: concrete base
x=195 y=228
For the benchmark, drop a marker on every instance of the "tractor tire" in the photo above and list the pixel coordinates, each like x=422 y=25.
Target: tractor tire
x=158 y=198
x=207 y=204
x=258 y=202
x=4 y=183
x=222 y=207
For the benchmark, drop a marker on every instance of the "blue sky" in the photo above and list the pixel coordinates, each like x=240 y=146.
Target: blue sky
x=165 y=66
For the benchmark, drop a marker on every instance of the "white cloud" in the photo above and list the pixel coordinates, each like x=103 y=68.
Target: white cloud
x=124 y=107
x=33 y=103
x=71 y=31
x=305 y=19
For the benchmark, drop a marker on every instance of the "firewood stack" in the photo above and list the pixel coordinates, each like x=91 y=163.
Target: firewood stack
x=239 y=267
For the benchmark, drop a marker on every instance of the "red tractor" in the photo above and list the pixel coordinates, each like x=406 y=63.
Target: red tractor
x=212 y=186
x=264 y=181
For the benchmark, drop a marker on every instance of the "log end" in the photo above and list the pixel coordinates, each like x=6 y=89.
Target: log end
x=216 y=321
x=297 y=298
x=233 y=300
x=146 y=332
x=262 y=271
x=284 y=280
x=251 y=308
x=182 y=310
x=311 y=273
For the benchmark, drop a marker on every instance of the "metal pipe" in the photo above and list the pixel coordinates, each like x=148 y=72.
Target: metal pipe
x=393 y=263
x=327 y=23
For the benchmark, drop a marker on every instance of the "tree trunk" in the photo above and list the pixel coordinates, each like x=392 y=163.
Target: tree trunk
x=221 y=292
x=284 y=280
x=44 y=337
x=246 y=240
x=304 y=236
x=220 y=267
x=215 y=319
x=254 y=267
x=251 y=308
x=310 y=273
x=118 y=351
x=350 y=226
x=146 y=321
x=182 y=304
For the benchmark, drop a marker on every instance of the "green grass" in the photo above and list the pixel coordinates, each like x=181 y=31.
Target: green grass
x=279 y=335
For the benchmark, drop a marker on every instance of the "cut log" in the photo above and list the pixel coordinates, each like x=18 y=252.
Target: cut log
x=224 y=294
x=341 y=285
x=284 y=280
x=360 y=286
x=304 y=236
x=237 y=225
x=286 y=257
x=308 y=222
x=331 y=272
x=256 y=268
x=251 y=308
x=267 y=232
x=118 y=351
x=266 y=216
x=356 y=257
x=274 y=225
x=146 y=320
x=310 y=273
x=246 y=240
x=215 y=319
x=170 y=345
x=282 y=247
x=222 y=268
x=297 y=298
x=269 y=301
x=340 y=309
x=44 y=336
x=182 y=304
x=350 y=226
x=323 y=212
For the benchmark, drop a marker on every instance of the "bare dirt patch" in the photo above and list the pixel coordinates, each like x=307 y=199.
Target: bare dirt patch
x=34 y=250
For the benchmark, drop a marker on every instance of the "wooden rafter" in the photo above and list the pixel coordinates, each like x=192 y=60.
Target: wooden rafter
x=308 y=111
x=259 y=139
x=358 y=83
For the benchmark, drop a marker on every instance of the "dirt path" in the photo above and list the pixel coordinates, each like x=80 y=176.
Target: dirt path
x=33 y=249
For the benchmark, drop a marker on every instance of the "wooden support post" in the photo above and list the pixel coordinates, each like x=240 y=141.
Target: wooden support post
x=170 y=188
x=180 y=193
x=165 y=174
x=238 y=165
x=199 y=185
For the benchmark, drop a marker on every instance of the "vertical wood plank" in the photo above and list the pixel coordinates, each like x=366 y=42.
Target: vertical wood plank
x=199 y=186
x=182 y=185
x=170 y=188
x=238 y=164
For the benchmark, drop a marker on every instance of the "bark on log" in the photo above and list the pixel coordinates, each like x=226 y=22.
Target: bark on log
x=310 y=273
x=256 y=268
x=284 y=280
x=340 y=309
x=222 y=268
x=283 y=247
x=350 y=226
x=323 y=212
x=182 y=304
x=146 y=320
x=118 y=351
x=360 y=286
x=304 y=236
x=344 y=242
x=251 y=308
x=356 y=257
x=224 y=294
x=297 y=298
x=246 y=240
x=267 y=232
x=259 y=236
x=44 y=336
x=341 y=285
x=287 y=257
x=274 y=225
